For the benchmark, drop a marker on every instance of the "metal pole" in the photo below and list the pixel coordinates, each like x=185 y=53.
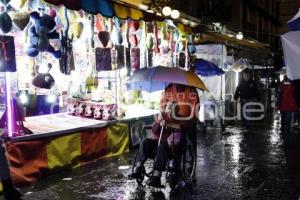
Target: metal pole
x=10 y=192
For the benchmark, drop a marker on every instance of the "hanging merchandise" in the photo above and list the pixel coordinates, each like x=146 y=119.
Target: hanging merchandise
x=5 y=22
x=135 y=53
x=181 y=61
x=104 y=38
x=7 y=54
x=20 y=19
x=135 y=59
x=116 y=34
x=92 y=82
x=42 y=79
x=17 y=4
x=191 y=46
x=156 y=42
x=66 y=62
x=149 y=44
x=103 y=54
x=120 y=61
x=77 y=28
x=103 y=59
x=40 y=32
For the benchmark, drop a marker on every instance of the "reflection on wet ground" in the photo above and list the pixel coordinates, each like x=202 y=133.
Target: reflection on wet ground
x=236 y=164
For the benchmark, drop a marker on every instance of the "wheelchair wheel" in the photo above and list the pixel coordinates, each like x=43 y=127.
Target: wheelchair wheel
x=188 y=162
x=140 y=179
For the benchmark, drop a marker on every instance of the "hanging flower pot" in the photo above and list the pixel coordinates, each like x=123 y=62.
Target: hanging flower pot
x=104 y=38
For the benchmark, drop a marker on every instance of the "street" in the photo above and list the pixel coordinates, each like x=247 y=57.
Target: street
x=233 y=165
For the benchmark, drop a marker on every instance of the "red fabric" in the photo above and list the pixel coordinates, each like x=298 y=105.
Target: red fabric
x=93 y=145
x=288 y=101
x=28 y=161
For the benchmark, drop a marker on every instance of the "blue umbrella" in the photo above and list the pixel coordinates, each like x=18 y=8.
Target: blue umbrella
x=294 y=24
x=206 y=68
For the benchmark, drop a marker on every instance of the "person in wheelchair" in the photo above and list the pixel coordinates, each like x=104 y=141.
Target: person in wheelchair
x=177 y=117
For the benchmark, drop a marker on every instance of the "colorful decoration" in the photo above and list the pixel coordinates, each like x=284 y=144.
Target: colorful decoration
x=104 y=38
x=77 y=28
x=5 y=22
x=66 y=62
x=20 y=19
x=7 y=54
x=39 y=34
x=103 y=59
x=43 y=80
x=39 y=157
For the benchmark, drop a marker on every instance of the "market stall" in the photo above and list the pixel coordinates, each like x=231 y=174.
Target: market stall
x=64 y=65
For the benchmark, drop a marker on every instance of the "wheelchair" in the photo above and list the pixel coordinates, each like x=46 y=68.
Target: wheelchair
x=186 y=169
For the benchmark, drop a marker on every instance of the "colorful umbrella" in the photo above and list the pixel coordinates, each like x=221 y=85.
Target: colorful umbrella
x=206 y=68
x=158 y=78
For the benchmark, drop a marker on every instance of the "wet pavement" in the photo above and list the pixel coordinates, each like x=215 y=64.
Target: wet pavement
x=236 y=164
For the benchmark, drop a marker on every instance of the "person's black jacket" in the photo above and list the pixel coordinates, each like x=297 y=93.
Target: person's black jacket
x=246 y=90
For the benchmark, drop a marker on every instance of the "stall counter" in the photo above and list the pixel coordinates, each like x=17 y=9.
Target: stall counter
x=61 y=141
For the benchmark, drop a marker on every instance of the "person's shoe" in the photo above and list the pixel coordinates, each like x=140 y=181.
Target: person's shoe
x=154 y=181
x=138 y=172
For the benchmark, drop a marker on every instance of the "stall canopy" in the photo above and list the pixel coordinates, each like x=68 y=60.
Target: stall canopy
x=291 y=49
x=107 y=8
x=216 y=54
x=206 y=68
x=294 y=23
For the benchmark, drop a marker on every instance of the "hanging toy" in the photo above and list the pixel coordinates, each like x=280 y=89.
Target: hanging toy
x=43 y=79
x=40 y=32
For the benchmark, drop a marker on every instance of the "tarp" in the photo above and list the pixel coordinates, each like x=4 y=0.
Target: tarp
x=215 y=53
x=294 y=23
x=207 y=69
x=291 y=49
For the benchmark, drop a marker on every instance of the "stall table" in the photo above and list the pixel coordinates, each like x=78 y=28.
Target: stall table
x=61 y=141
